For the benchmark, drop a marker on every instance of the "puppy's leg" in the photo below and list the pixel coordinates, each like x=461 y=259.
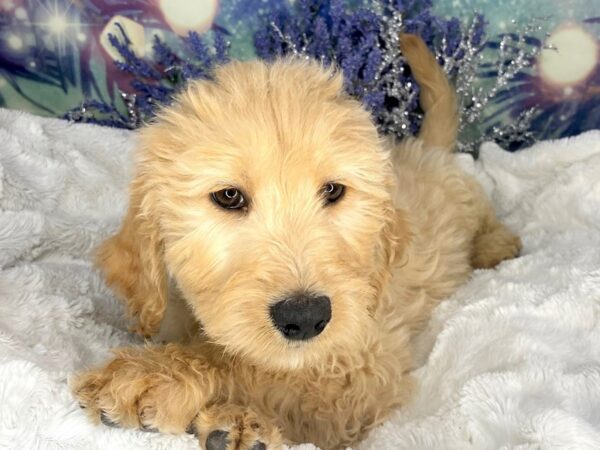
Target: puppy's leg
x=155 y=388
x=493 y=243
x=174 y=389
x=232 y=427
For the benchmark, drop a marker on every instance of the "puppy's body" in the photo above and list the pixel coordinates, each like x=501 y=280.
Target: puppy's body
x=406 y=234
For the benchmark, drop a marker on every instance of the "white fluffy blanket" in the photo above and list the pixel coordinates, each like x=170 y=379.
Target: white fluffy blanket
x=511 y=361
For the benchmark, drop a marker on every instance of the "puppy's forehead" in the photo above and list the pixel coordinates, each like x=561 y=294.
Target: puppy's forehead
x=269 y=118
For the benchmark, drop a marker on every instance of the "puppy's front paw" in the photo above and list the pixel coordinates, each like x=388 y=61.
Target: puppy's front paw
x=232 y=427
x=139 y=390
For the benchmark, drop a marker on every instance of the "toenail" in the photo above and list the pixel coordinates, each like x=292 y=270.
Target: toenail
x=259 y=446
x=108 y=422
x=191 y=429
x=217 y=440
x=148 y=429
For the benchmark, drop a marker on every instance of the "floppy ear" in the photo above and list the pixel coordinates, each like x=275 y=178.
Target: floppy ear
x=393 y=241
x=132 y=262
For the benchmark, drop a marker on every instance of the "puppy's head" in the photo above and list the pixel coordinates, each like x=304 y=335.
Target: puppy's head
x=265 y=195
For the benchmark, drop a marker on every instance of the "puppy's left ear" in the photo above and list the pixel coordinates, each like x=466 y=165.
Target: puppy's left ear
x=395 y=238
x=132 y=262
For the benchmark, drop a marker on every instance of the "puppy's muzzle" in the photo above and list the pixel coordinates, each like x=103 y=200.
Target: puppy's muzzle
x=301 y=316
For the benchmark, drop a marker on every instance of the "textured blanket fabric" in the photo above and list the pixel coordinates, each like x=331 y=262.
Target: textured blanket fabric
x=510 y=361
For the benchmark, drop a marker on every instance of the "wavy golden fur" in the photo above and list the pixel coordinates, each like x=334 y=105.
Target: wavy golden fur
x=408 y=232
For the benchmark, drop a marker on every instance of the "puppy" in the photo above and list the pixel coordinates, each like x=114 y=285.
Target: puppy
x=306 y=253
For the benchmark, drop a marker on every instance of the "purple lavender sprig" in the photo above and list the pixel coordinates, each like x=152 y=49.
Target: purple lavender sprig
x=153 y=82
x=364 y=44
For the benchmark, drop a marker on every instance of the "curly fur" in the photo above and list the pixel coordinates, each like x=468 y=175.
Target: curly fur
x=408 y=232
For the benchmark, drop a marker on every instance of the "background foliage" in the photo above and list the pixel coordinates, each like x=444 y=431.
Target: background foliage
x=517 y=84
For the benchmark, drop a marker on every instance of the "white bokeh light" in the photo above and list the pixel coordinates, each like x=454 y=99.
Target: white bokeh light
x=184 y=16
x=57 y=24
x=15 y=42
x=21 y=13
x=573 y=58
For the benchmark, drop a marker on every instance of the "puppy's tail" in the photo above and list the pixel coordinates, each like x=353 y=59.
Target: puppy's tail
x=440 y=124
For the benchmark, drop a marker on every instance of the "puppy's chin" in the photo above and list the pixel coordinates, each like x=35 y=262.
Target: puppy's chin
x=268 y=349
x=294 y=356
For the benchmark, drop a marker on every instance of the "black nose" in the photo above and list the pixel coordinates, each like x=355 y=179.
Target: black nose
x=302 y=316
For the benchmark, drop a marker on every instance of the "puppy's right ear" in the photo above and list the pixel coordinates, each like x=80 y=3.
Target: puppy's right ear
x=132 y=262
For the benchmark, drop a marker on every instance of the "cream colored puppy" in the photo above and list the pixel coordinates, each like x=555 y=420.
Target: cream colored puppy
x=308 y=253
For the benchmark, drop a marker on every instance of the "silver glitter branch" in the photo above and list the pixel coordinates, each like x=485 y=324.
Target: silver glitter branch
x=287 y=41
x=133 y=116
x=396 y=121
x=514 y=56
x=517 y=131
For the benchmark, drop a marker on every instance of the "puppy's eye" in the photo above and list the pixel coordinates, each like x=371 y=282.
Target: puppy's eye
x=230 y=198
x=332 y=192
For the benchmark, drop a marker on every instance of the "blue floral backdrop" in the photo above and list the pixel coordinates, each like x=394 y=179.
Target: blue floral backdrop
x=526 y=69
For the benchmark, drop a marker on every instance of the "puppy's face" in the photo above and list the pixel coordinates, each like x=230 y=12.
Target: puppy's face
x=271 y=195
